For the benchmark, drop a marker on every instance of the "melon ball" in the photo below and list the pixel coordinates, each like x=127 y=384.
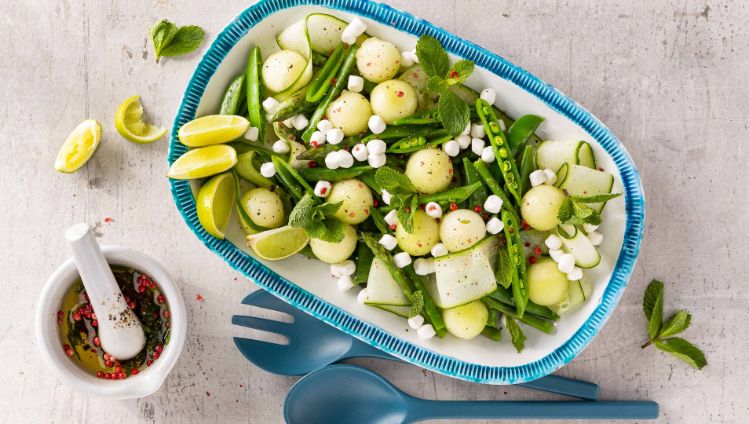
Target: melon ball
x=334 y=253
x=264 y=207
x=350 y=112
x=540 y=207
x=425 y=234
x=357 y=200
x=393 y=99
x=430 y=170
x=461 y=229
x=378 y=60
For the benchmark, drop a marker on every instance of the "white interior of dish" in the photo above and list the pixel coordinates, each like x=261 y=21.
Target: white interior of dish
x=314 y=276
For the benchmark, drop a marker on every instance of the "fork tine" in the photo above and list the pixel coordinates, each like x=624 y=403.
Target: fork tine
x=263 y=299
x=261 y=324
x=270 y=356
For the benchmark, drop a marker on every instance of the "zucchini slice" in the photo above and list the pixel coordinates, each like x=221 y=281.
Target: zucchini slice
x=553 y=154
x=579 y=245
x=401 y=311
x=579 y=180
x=579 y=292
x=382 y=289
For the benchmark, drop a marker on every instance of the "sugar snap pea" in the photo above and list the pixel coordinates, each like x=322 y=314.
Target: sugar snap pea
x=535 y=322
x=503 y=295
x=233 y=97
x=527 y=165
x=521 y=131
x=253 y=89
x=333 y=175
x=323 y=79
x=423 y=117
x=453 y=195
x=517 y=259
x=493 y=185
x=364 y=259
x=478 y=197
x=493 y=333
x=293 y=105
x=340 y=83
x=502 y=151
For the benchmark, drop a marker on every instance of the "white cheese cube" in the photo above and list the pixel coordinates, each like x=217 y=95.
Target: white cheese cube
x=438 y=250
x=345 y=283
x=424 y=266
x=317 y=139
x=386 y=196
x=493 y=204
x=589 y=228
x=345 y=160
x=391 y=217
x=376 y=161
x=494 y=225
x=270 y=105
x=551 y=176
x=300 y=122
x=281 y=147
x=433 y=209
x=576 y=274
x=464 y=141
x=487 y=155
x=388 y=242
x=331 y=160
x=288 y=122
x=268 y=170
x=355 y=83
x=488 y=95
x=566 y=263
x=556 y=254
x=362 y=296
x=477 y=130
x=346 y=267
x=426 y=332
x=477 y=145
x=360 y=152
x=334 y=136
x=402 y=259
x=322 y=188
x=595 y=237
x=407 y=59
x=553 y=242
x=467 y=129
x=376 y=124
x=537 y=177
x=452 y=148
x=252 y=133
x=416 y=322
x=376 y=146
x=324 y=126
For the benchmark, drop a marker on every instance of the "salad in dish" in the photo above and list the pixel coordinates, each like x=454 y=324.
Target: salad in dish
x=426 y=200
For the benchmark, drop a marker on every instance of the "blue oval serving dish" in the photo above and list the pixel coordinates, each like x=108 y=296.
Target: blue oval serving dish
x=307 y=284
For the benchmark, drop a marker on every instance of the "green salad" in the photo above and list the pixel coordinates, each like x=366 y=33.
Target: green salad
x=426 y=200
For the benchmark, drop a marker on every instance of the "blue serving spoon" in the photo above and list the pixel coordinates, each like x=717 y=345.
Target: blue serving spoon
x=312 y=345
x=350 y=394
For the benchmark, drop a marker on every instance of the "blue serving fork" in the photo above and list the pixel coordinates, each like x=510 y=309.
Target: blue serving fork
x=312 y=345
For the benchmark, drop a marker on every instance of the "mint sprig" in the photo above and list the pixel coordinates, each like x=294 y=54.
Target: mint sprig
x=170 y=40
x=516 y=334
x=417 y=303
x=454 y=112
x=403 y=196
x=317 y=219
x=660 y=333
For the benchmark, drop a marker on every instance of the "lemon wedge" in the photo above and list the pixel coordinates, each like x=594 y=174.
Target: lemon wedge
x=213 y=129
x=215 y=201
x=129 y=123
x=78 y=147
x=203 y=162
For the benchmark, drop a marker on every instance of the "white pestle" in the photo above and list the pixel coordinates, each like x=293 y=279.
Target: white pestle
x=120 y=332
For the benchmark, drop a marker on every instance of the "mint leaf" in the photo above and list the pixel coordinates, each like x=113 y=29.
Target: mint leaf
x=405 y=206
x=516 y=333
x=581 y=210
x=162 y=33
x=460 y=72
x=327 y=210
x=653 y=303
x=676 y=324
x=454 y=112
x=436 y=85
x=504 y=269
x=565 y=210
x=186 y=40
x=683 y=350
x=393 y=181
x=318 y=220
x=417 y=304
x=303 y=213
x=597 y=198
x=432 y=57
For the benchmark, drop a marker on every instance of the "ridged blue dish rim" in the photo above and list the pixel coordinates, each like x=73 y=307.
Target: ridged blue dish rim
x=300 y=298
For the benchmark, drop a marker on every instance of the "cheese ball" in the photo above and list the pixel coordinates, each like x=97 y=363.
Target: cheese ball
x=461 y=229
x=393 y=99
x=540 y=207
x=281 y=69
x=430 y=170
x=378 y=60
x=350 y=112
x=426 y=233
x=264 y=207
x=334 y=253
x=357 y=200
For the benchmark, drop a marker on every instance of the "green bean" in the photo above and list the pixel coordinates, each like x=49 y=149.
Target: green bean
x=293 y=105
x=234 y=96
x=341 y=80
x=364 y=259
x=252 y=81
x=535 y=322
x=324 y=77
x=527 y=165
x=397 y=133
x=503 y=295
x=501 y=149
x=378 y=220
x=333 y=175
x=456 y=195
x=383 y=255
x=492 y=333
x=247 y=169
x=420 y=118
x=495 y=188
x=492 y=320
x=478 y=197
x=432 y=312
x=521 y=130
x=517 y=259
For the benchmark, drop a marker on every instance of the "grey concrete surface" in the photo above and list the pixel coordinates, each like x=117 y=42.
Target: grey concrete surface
x=669 y=77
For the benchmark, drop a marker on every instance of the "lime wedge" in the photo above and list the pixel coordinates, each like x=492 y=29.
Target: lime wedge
x=215 y=201
x=129 y=123
x=78 y=147
x=279 y=243
x=203 y=162
x=213 y=129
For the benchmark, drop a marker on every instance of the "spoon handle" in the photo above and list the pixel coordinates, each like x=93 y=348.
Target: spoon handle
x=584 y=410
x=420 y=409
